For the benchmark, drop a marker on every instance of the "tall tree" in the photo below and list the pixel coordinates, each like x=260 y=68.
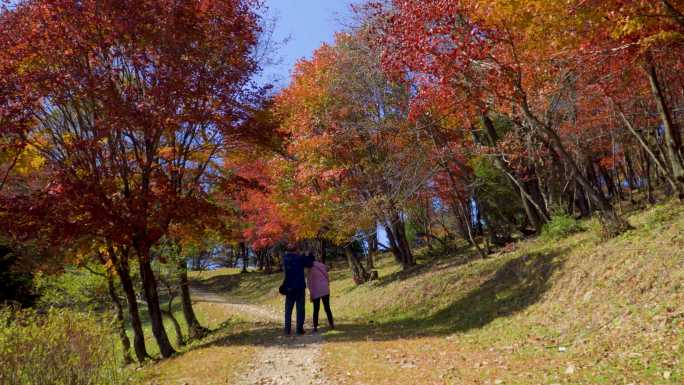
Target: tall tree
x=133 y=112
x=471 y=53
x=353 y=136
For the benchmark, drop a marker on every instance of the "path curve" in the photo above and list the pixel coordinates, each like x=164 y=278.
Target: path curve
x=288 y=360
x=252 y=312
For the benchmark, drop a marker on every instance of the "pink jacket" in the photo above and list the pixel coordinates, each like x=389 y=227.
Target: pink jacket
x=318 y=280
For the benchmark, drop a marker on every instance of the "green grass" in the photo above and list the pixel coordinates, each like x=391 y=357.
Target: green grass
x=150 y=342
x=575 y=310
x=614 y=308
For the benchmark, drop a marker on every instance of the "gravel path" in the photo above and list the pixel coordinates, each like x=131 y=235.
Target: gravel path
x=283 y=361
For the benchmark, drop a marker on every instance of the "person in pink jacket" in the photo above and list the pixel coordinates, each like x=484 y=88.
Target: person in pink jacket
x=319 y=288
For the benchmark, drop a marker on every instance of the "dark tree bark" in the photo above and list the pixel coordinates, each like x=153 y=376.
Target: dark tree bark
x=122 y=269
x=195 y=329
x=613 y=224
x=673 y=138
x=581 y=202
x=359 y=273
x=591 y=173
x=535 y=214
x=608 y=181
x=152 y=298
x=322 y=249
x=630 y=173
x=244 y=255
x=372 y=249
x=120 y=320
x=396 y=233
x=646 y=167
x=653 y=155
x=180 y=340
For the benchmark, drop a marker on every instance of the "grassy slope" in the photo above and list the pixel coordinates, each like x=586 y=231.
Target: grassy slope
x=576 y=311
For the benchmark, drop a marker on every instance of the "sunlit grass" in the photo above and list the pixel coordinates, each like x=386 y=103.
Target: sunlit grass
x=578 y=310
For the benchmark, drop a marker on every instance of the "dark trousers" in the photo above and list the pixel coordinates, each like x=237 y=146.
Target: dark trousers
x=295 y=297
x=326 y=306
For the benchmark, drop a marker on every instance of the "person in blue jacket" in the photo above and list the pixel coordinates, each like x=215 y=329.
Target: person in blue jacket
x=294 y=286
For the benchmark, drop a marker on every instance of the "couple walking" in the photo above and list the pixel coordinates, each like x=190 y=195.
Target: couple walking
x=294 y=289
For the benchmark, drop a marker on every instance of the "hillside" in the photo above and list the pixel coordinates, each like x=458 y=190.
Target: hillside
x=577 y=310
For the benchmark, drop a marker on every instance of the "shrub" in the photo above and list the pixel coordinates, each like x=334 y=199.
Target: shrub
x=561 y=225
x=77 y=289
x=59 y=347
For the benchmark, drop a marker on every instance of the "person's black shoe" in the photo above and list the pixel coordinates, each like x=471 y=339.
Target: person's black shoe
x=300 y=332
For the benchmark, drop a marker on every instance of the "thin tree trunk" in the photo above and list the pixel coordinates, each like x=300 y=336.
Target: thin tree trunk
x=581 y=201
x=322 y=249
x=464 y=214
x=123 y=271
x=243 y=252
x=195 y=329
x=396 y=233
x=630 y=174
x=646 y=161
x=169 y=313
x=673 y=139
x=120 y=321
x=152 y=298
x=372 y=249
x=608 y=180
x=613 y=224
x=359 y=273
x=659 y=164
x=534 y=213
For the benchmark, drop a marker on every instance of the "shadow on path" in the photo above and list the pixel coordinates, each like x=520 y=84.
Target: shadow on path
x=513 y=287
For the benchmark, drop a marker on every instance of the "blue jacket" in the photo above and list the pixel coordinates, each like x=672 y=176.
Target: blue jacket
x=294 y=265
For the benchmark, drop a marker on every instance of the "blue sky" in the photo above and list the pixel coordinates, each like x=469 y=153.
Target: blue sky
x=307 y=24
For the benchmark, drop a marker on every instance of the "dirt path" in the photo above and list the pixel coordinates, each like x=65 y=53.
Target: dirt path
x=283 y=360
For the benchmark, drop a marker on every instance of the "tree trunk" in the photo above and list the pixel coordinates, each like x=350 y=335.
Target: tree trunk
x=673 y=138
x=120 y=321
x=396 y=233
x=660 y=166
x=133 y=312
x=372 y=249
x=581 y=201
x=152 y=298
x=534 y=213
x=630 y=174
x=646 y=167
x=195 y=329
x=359 y=273
x=465 y=215
x=269 y=261
x=591 y=173
x=323 y=244
x=243 y=253
x=612 y=223
x=176 y=326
